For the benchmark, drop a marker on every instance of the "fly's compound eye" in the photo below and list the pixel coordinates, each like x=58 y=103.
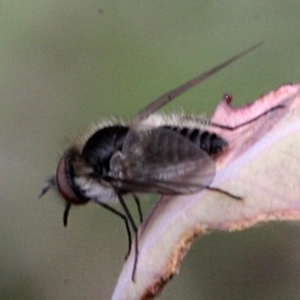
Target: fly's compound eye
x=65 y=182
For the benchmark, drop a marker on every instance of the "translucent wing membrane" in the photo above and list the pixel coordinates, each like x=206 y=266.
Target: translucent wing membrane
x=161 y=160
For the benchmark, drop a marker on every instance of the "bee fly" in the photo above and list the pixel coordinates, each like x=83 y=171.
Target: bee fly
x=167 y=155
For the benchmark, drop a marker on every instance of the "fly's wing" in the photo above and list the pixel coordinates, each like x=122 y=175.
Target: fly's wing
x=161 y=160
x=167 y=97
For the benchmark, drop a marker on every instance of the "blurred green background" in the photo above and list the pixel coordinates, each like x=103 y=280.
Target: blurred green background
x=66 y=64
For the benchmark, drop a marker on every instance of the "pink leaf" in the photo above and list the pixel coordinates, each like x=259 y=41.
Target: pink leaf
x=261 y=165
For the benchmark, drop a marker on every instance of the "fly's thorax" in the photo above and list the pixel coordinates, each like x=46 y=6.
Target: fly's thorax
x=101 y=146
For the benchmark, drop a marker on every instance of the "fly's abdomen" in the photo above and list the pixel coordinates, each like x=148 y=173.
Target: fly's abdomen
x=209 y=142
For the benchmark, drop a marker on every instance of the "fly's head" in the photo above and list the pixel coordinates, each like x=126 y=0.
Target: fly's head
x=78 y=182
x=72 y=177
x=82 y=171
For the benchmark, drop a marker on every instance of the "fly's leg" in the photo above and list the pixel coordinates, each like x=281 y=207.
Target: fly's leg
x=138 y=204
x=228 y=99
x=124 y=217
x=135 y=230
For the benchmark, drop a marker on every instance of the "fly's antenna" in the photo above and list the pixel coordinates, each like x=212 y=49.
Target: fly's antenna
x=50 y=182
x=169 y=96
